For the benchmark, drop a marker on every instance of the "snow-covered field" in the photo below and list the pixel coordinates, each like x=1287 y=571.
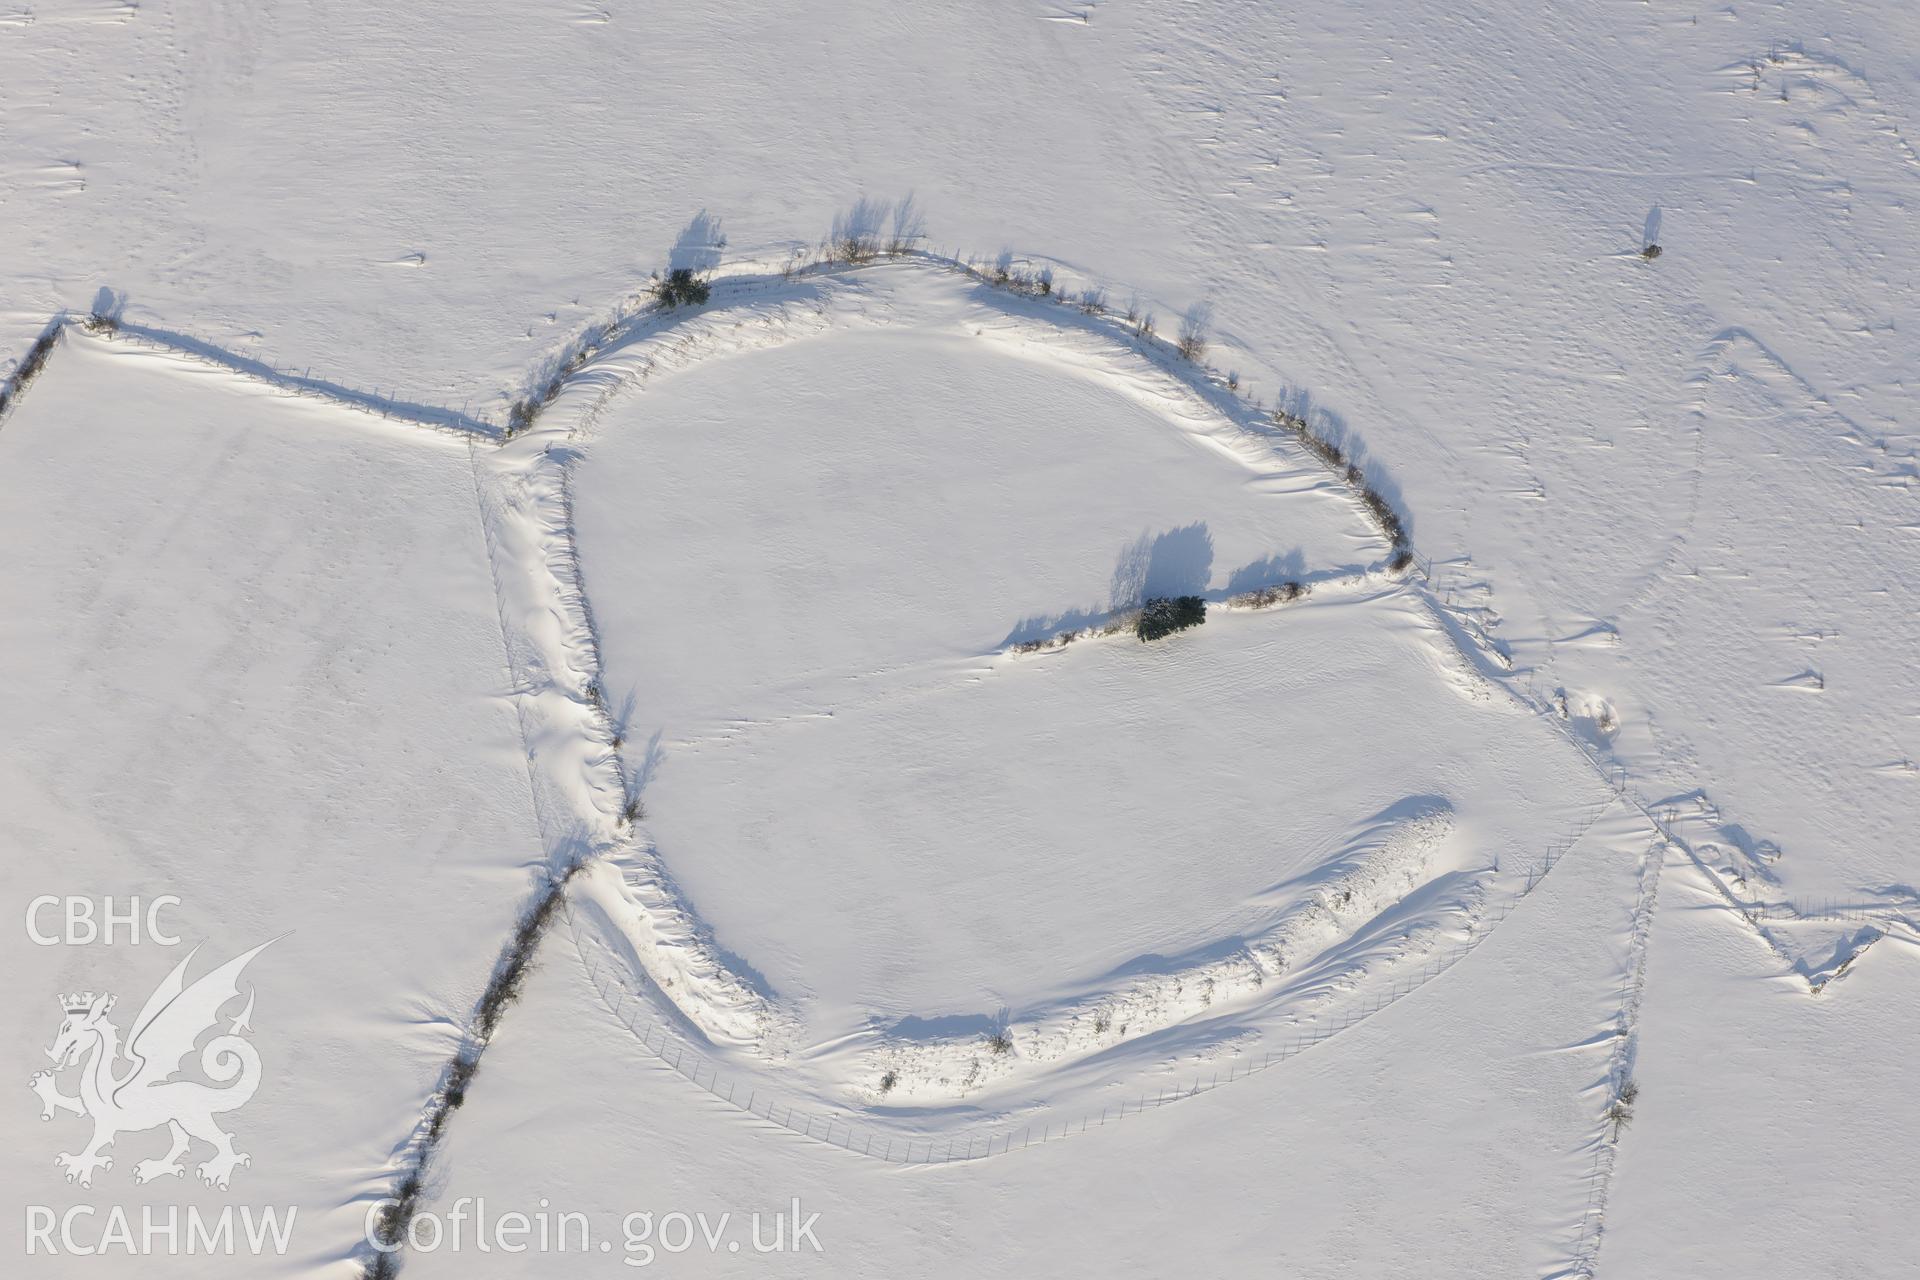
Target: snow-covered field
x=1540 y=903
x=253 y=662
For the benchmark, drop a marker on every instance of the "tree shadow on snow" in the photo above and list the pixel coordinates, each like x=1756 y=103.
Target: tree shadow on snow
x=699 y=245
x=1270 y=571
x=1178 y=562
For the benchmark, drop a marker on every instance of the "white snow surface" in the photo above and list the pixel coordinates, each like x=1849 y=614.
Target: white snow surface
x=254 y=662
x=1329 y=1166
x=1608 y=795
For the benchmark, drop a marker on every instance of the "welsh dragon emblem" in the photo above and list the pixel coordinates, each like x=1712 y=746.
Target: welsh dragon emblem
x=133 y=1088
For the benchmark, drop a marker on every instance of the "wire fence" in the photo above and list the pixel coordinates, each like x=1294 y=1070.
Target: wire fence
x=863 y=1133
x=866 y=1133
x=1543 y=698
x=1545 y=701
x=1592 y=1223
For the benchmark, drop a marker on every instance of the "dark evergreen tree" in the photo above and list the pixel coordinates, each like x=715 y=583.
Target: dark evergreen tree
x=681 y=285
x=1162 y=616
